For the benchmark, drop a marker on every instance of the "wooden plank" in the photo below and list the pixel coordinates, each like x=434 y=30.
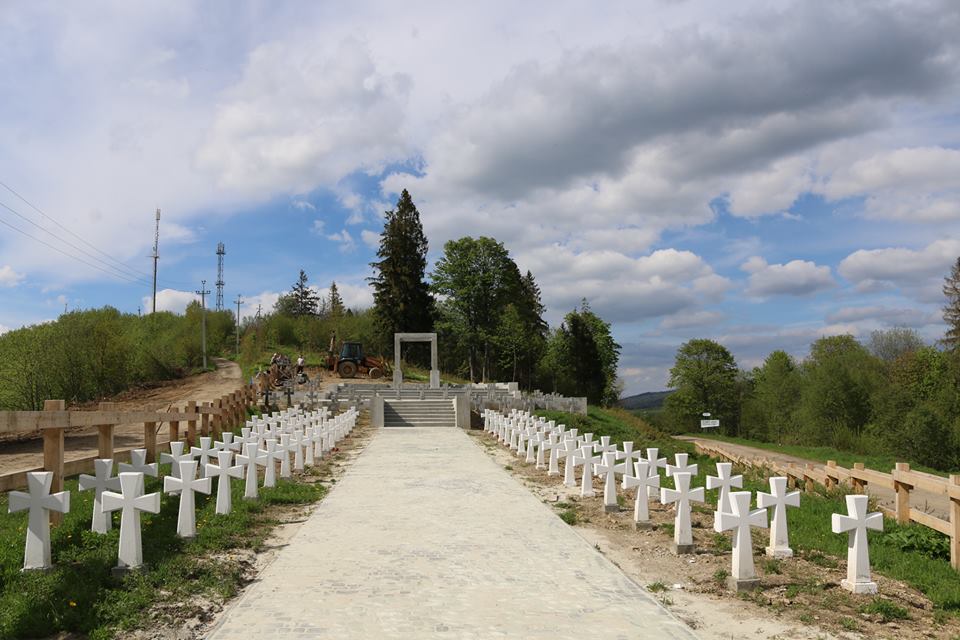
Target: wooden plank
x=13 y=422
x=923 y=481
x=954 y=534
x=53 y=454
x=933 y=522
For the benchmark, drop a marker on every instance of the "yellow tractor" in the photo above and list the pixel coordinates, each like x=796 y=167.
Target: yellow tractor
x=351 y=361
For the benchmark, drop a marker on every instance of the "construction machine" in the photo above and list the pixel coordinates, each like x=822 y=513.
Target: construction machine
x=351 y=361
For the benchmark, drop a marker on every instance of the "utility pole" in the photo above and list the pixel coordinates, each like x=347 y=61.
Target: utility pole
x=156 y=256
x=221 y=251
x=239 y=300
x=203 y=293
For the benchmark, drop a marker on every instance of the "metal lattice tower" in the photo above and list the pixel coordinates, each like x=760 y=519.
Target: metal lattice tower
x=221 y=251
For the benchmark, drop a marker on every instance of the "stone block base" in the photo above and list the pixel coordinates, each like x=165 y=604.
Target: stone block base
x=683 y=549
x=643 y=525
x=120 y=572
x=742 y=584
x=611 y=508
x=780 y=552
x=866 y=588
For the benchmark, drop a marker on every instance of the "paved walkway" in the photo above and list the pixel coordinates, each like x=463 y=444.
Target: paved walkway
x=426 y=537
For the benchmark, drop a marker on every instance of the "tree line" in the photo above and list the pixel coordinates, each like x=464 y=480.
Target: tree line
x=892 y=394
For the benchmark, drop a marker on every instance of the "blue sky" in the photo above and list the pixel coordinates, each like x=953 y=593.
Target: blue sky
x=761 y=173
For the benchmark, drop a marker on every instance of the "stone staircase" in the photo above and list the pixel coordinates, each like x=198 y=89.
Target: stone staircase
x=419 y=413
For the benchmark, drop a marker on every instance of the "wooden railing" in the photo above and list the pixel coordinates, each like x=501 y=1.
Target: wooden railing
x=210 y=418
x=901 y=480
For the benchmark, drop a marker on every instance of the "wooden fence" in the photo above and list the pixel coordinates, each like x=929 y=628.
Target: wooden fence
x=901 y=481
x=209 y=418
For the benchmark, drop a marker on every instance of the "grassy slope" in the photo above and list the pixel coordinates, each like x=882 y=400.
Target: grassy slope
x=80 y=595
x=882 y=463
x=810 y=532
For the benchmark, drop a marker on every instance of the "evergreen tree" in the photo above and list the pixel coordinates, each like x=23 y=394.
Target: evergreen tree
x=951 y=312
x=402 y=300
x=335 y=302
x=303 y=301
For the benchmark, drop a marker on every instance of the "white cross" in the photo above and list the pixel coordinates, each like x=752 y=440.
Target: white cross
x=683 y=495
x=608 y=469
x=724 y=480
x=39 y=501
x=532 y=436
x=223 y=472
x=186 y=485
x=541 y=441
x=739 y=519
x=681 y=465
x=174 y=458
x=270 y=466
x=250 y=459
x=629 y=456
x=604 y=446
x=858 y=553
x=203 y=453
x=521 y=441
x=586 y=458
x=553 y=445
x=308 y=446
x=654 y=466
x=99 y=482
x=779 y=499
x=130 y=501
x=138 y=464
x=317 y=440
x=286 y=448
x=569 y=453
x=297 y=442
x=644 y=482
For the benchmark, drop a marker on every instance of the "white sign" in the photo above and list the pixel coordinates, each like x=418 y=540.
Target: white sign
x=709 y=424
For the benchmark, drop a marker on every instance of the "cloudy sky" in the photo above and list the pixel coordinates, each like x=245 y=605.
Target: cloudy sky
x=761 y=173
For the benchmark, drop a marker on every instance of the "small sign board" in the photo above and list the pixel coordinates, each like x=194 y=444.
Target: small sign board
x=709 y=424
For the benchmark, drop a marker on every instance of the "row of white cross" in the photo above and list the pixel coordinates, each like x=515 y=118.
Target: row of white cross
x=305 y=436
x=545 y=444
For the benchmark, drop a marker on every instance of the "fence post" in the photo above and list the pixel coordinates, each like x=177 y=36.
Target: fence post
x=205 y=421
x=903 y=495
x=831 y=481
x=150 y=440
x=859 y=486
x=216 y=425
x=105 y=432
x=954 y=522
x=808 y=480
x=192 y=424
x=53 y=453
x=174 y=427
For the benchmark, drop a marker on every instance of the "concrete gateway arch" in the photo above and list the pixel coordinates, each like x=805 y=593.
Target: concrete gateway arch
x=398 y=339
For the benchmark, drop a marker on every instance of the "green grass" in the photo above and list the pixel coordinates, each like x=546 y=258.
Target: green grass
x=656 y=587
x=901 y=552
x=847 y=459
x=79 y=594
x=887 y=610
x=569 y=516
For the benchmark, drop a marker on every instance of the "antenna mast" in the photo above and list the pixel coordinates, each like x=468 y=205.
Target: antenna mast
x=221 y=251
x=156 y=256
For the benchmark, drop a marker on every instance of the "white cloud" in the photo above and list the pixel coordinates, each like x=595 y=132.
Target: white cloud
x=302 y=205
x=9 y=277
x=370 y=238
x=795 y=278
x=916 y=271
x=887 y=316
x=687 y=320
x=344 y=239
x=4 y=329
x=170 y=300
x=318 y=227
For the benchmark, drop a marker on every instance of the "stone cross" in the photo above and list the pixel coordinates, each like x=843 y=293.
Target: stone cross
x=856 y=524
x=739 y=520
x=99 y=482
x=654 y=466
x=629 y=456
x=39 y=502
x=681 y=465
x=682 y=496
x=138 y=464
x=223 y=472
x=270 y=468
x=174 y=458
x=308 y=443
x=779 y=499
x=587 y=459
x=569 y=453
x=608 y=469
x=553 y=445
x=521 y=441
x=130 y=502
x=186 y=485
x=532 y=439
x=250 y=459
x=724 y=480
x=297 y=441
x=541 y=441
x=644 y=482
x=285 y=448
x=203 y=453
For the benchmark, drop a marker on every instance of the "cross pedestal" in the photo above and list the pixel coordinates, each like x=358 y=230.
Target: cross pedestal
x=643 y=482
x=682 y=496
x=130 y=502
x=739 y=519
x=779 y=499
x=858 y=554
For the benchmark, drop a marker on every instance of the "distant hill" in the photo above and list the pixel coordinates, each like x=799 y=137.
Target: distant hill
x=649 y=400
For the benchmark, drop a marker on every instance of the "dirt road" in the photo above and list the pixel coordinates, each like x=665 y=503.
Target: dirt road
x=28 y=454
x=931 y=503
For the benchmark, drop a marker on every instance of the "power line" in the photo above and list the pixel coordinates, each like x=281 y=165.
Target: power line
x=56 y=222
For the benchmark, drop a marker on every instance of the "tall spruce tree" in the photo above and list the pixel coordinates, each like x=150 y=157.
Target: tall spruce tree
x=301 y=301
x=402 y=300
x=335 y=301
x=951 y=312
